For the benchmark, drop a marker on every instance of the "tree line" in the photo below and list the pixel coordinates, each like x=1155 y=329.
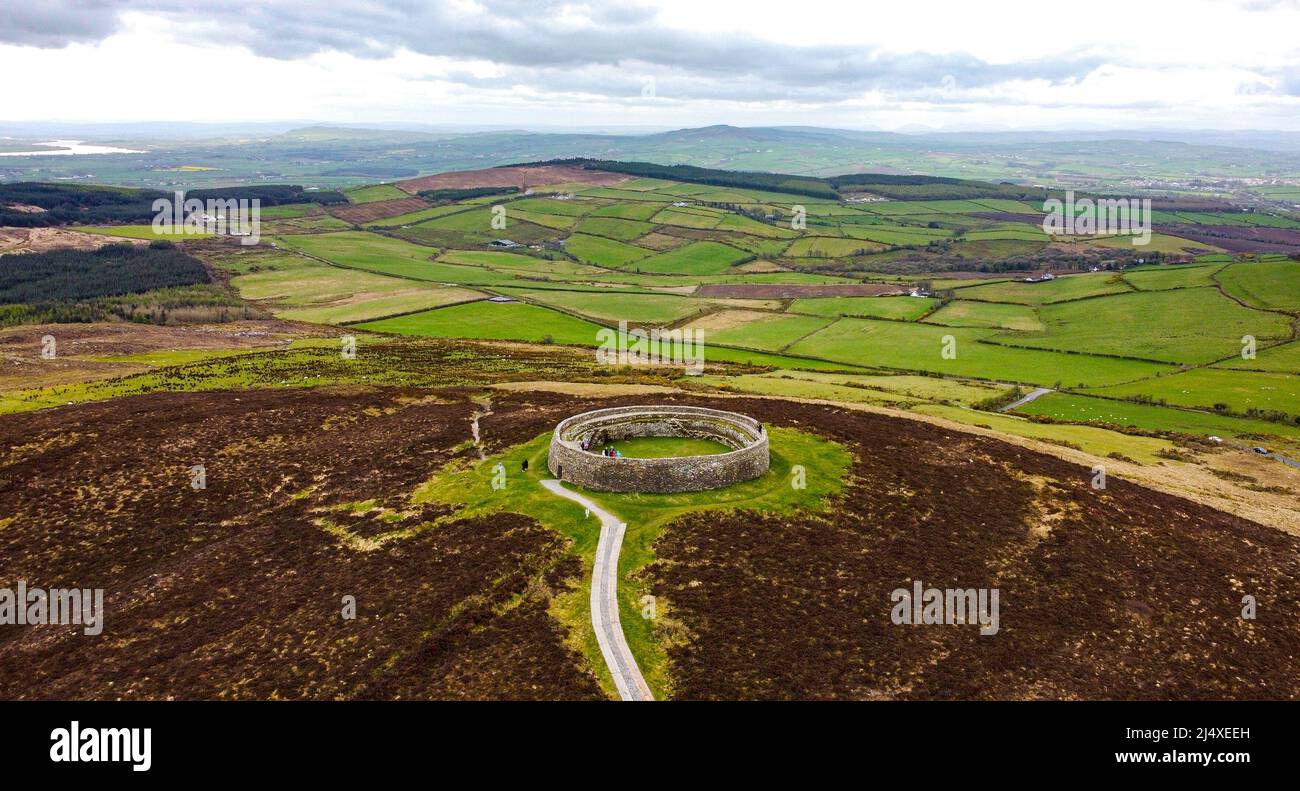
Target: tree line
x=84 y=204
x=72 y=275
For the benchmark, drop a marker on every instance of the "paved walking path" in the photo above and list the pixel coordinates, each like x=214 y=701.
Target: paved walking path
x=604 y=599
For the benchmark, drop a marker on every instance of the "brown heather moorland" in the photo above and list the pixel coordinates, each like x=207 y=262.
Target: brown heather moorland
x=235 y=591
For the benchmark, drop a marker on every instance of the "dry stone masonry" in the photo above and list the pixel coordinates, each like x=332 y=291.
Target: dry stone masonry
x=748 y=458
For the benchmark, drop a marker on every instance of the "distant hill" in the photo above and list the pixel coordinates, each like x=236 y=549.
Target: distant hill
x=326 y=156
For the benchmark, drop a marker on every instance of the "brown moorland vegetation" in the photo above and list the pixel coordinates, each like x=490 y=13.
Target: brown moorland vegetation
x=235 y=591
x=1122 y=593
x=521 y=176
x=377 y=210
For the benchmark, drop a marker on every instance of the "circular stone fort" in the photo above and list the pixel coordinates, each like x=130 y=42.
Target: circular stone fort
x=568 y=461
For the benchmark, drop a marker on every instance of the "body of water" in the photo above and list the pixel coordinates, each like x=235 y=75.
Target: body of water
x=64 y=148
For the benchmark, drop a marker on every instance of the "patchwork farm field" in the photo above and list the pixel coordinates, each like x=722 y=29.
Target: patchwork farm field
x=964 y=313
x=901 y=308
x=1080 y=408
x=676 y=254
x=1197 y=325
x=491 y=321
x=655 y=309
x=303 y=289
x=1239 y=391
x=1061 y=289
x=895 y=334
x=1272 y=285
x=920 y=347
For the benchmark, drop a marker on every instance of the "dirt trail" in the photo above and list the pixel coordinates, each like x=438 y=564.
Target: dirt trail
x=486 y=409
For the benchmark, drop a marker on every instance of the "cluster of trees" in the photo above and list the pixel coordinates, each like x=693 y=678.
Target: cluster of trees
x=934 y=187
x=74 y=275
x=61 y=204
x=899 y=187
x=83 y=204
x=202 y=303
x=158 y=284
x=453 y=194
x=271 y=194
x=774 y=182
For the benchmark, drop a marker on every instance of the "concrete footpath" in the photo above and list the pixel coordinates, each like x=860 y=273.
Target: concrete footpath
x=604 y=599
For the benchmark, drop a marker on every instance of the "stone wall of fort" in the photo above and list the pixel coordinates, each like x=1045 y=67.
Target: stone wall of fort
x=748 y=458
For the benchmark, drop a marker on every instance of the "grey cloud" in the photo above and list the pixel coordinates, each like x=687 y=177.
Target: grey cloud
x=57 y=23
x=529 y=39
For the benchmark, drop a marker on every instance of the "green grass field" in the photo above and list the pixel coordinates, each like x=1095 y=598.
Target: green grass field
x=559 y=222
x=629 y=211
x=996 y=315
x=898 y=390
x=1058 y=290
x=374 y=193
x=830 y=247
x=416 y=217
x=767 y=332
x=513 y=321
x=696 y=258
x=288 y=211
x=1159 y=279
x=1273 y=285
x=396 y=257
x=1283 y=358
x=303 y=289
x=614 y=228
x=1088 y=409
x=919 y=347
x=687 y=218
x=901 y=308
x=633 y=308
x=895 y=234
x=1185 y=326
x=666 y=447
x=599 y=251
x=1240 y=391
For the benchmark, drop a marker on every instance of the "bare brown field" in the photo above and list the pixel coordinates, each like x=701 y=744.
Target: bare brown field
x=1240 y=239
x=40 y=240
x=521 y=176
x=369 y=212
x=78 y=346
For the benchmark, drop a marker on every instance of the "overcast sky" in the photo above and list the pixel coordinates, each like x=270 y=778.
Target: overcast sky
x=968 y=64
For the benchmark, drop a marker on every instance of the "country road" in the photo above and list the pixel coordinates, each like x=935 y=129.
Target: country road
x=604 y=599
x=1037 y=393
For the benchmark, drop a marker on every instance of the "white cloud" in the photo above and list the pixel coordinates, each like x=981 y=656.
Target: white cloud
x=531 y=62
